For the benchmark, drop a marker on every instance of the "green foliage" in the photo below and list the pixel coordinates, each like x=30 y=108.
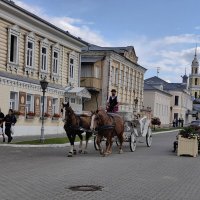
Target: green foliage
x=190 y=132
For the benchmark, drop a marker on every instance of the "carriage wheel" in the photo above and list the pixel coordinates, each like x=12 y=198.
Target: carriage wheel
x=149 y=137
x=132 y=142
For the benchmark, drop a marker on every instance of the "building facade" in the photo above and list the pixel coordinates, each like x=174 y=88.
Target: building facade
x=107 y=68
x=159 y=101
x=31 y=50
x=180 y=105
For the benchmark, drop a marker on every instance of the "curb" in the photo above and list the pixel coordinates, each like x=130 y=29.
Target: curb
x=63 y=145
x=40 y=145
x=156 y=133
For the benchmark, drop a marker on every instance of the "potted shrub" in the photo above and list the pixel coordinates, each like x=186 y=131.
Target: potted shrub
x=188 y=141
x=155 y=121
x=56 y=116
x=30 y=115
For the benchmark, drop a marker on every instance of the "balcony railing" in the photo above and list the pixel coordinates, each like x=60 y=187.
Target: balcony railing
x=91 y=82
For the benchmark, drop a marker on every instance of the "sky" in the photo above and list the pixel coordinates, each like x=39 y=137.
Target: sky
x=164 y=33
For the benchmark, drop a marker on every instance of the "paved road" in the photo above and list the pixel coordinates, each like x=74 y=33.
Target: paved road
x=148 y=174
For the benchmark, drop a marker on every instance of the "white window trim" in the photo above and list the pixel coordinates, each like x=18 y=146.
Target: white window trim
x=32 y=102
x=72 y=79
x=17 y=100
x=55 y=48
x=30 y=38
x=44 y=44
x=56 y=106
x=13 y=30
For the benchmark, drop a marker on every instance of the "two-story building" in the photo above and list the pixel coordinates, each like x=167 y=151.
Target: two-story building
x=106 y=68
x=179 y=105
x=32 y=49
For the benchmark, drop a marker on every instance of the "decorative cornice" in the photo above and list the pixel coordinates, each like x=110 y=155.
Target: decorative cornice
x=28 y=86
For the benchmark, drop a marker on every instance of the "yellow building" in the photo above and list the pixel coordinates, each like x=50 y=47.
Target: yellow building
x=106 y=68
x=194 y=78
x=32 y=49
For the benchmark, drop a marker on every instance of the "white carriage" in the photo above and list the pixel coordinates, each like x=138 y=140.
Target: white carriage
x=134 y=128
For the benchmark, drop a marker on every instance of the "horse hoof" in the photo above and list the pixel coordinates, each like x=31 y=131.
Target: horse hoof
x=74 y=151
x=70 y=154
x=80 y=151
x=85 y=152
x=120 y=151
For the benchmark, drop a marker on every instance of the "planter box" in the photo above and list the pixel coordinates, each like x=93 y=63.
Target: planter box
x=55 y=118
x=30 y=117
x=187 y=146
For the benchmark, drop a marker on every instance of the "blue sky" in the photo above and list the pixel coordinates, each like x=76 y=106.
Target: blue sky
x=163 y=32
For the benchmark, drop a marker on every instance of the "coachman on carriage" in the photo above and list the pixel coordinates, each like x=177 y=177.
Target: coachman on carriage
x=107 y=124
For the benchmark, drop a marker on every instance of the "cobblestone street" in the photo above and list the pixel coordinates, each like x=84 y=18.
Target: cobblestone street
x=148 y=174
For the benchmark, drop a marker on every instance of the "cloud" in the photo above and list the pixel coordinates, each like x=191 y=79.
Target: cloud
x=75 y=26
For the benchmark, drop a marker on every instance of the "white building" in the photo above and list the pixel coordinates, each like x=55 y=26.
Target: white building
x=168 y=100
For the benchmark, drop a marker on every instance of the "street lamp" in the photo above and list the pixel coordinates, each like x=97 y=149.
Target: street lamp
x=44 y=85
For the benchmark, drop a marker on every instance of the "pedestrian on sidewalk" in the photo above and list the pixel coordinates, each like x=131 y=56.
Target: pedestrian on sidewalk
x=10 y=121
x=1 y=125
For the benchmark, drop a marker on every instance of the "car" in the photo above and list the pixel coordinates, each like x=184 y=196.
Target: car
x=195 y=123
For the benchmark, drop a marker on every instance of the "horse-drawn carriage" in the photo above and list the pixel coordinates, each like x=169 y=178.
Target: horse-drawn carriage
x=122 y=125
x=134 y=129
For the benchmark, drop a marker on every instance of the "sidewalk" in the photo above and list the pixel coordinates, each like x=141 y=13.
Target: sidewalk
x=33 y=137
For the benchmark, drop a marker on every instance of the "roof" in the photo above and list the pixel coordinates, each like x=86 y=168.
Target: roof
x=28 y=80
x=148 y=87
x=91 y=59
x=118 y=50
x=166 y=86
x=78 y=91
x=11 y=3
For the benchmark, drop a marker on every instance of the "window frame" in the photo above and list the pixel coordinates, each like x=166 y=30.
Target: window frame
x=44 y=44
x=71 y=69
x=32 y=105
x=16 y=101
x=55 y=49
x=13 y=31
x=55 y=106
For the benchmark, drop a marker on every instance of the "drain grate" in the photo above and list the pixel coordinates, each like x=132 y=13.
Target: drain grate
x=86 y=188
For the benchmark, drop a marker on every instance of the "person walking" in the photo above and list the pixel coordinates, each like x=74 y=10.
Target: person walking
x=10 y=120
x=1 y=125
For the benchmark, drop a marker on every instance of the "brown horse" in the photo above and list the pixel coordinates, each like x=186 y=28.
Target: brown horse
x=76 y=125
x=108 y=125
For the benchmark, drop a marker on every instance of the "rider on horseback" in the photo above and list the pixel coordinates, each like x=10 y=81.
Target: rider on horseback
x=112 y=103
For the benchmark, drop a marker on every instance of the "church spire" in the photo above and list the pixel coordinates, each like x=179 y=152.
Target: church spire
x=195 y=62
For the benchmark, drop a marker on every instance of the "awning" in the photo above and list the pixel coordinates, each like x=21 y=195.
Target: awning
x=77 y=91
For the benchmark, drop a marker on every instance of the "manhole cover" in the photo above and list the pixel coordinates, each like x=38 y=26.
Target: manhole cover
x=86 y=188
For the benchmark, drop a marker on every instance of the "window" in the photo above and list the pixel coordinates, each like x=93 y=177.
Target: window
x=29 y=103
x=29 y=54
x=44 y=59
x=116 y=76
x=176 y=100
x=55 y=62
x=196 y=71
x=112 y=75
x=45 y=104
x=195 y=94
x=71 y=68
x=13 y=49
x=97 y=72
x=196 y=81
x=175 y=115
x=55 y=106
x=13 y=100
x=73 y=100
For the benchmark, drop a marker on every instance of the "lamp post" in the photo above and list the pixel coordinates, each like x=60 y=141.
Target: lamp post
x=44 y=85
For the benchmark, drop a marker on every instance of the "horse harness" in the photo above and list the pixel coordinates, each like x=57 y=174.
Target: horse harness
x=107 y=127
x=79 y=125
